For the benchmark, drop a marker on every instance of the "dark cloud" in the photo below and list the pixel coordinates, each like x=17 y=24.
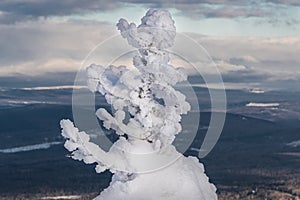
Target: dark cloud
x=40 y=41
x=227 y=12
x=12 y=11
x=49 y=79
x=285 y=84
x=190 y=2
x=45 y=46
x=210 y=9
x=246 y=76
x=285 y=2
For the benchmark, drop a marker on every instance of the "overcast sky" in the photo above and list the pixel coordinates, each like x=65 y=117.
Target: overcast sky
x=254 y=42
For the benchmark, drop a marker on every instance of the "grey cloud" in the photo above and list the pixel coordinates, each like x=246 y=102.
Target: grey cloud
x=198 y=9
x=228 y=12
x=217 y=8
x=211 y=9
x=285 y=84
x=232 y=3
x=41 y=40
x=246 y=76
x=267 y=60
x=44 y=46
x=190 y=2
x=285 y=2
x=276 y=21
x=49 y=79
x=13 y=11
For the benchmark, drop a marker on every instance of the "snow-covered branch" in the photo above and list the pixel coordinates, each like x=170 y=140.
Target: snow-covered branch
x=146 y=114
x=146 y=95
x=78 y=143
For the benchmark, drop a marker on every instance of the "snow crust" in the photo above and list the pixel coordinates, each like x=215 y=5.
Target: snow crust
x=147 y=114
x=257 y=91
x=184 y=179
x=294 y=143
x=33 y=147
x=59 y=87
x=251 y=104
x=62 y=197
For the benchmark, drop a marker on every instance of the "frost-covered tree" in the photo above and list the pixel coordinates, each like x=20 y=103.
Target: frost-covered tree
x=146 y=115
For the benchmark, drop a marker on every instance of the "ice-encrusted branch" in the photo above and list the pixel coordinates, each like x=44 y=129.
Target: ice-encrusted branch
x=146 y=93
x=78 y=143
x=146 y=114
x=146 y=105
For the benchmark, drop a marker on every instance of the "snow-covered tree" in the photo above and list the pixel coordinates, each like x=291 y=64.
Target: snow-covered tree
x=146 y=115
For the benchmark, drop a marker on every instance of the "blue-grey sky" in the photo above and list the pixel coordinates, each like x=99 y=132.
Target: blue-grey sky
x=255 y=42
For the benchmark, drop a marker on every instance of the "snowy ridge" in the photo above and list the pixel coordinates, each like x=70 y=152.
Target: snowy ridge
x=46 y=145
x=257 y=91
x=56 y=87
x=62 y=197
x=7 y=103
x=252 y=104
x=28 y=102
x=294 y=143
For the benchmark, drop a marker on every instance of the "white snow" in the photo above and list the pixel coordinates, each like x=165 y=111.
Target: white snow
x=145 y=164
x=294 y=143
x=252 y=104
x=257 y=91
x=28 y=102
x=46 y=145
x=59 y=87
x=156 y=30
x=184 y=179
x=61 y=197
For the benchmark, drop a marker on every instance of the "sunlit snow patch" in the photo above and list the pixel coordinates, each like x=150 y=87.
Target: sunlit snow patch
x=46 y=145
x=60 y=87
x=256 y=91
x=28 y=102
x=62 y=197
x=251 y=104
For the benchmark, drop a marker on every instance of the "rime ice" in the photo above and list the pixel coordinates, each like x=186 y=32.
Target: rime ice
x=144 y=156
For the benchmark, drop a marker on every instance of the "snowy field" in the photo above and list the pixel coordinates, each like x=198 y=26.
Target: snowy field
x=33 y=162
